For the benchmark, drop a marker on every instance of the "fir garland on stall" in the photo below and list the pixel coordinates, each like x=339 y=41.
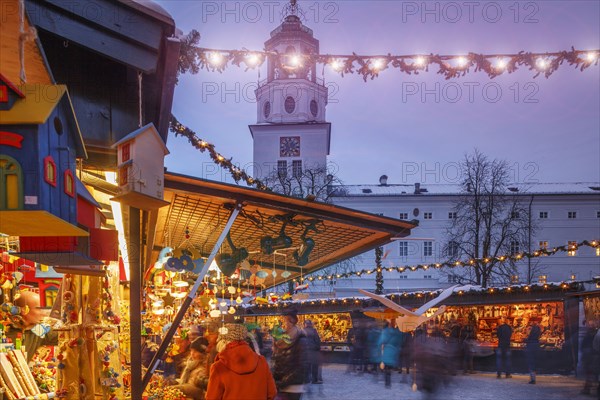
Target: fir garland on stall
x=379 y=275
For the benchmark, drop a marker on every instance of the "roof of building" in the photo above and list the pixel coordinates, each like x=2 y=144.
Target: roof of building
x=148 y=127
x=37 y=106
x=455 y=189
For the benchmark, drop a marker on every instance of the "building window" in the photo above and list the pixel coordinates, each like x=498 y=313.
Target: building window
x=514 y=247
x=572 y=248
x=124 y=175
x=297 y=168
x=405 y=215
x=427 y=249
x=597 y=214
x=427 y=215
x=403 y=246
x=402 y=277
x=514 y=279
x=543 y=214
x=69 y=183
x=572 y=214
x=543 y=244
x=542 y=279
x=50 y=295
x=289 y=104
x=452 y=215
x=50 y=171
x=453 y=279
x=427 y=277
x=3 y=94
x=282 y=169
x=452 y=250
x=514 y=214
x=126 y=152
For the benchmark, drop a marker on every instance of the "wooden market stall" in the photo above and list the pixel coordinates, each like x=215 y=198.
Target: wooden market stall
x=553 y=306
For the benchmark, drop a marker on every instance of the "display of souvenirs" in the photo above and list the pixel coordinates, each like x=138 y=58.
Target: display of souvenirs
x=331 y=327
x=487 y=318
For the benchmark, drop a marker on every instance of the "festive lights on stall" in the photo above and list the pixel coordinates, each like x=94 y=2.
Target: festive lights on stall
x=369 y=66
x=237 y=173
x=425 y=295
x=542 y=252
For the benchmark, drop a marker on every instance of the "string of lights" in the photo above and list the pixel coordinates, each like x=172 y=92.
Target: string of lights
x=370 y=66
x=453 y=264
x=364 y=301
x=237 y=173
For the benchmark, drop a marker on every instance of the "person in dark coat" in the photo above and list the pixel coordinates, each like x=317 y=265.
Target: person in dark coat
x=313 y=352
x=467 y=338
x=288 y=366
x=587 y=357
x=532 y=348
x=504 y=333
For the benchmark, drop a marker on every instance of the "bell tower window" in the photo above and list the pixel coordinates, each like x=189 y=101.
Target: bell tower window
x=290 y=104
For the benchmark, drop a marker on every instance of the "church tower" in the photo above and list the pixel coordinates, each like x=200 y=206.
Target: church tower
x=291 y=134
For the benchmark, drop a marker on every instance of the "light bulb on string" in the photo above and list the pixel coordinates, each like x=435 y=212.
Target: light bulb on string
x=215 y=58
x=336 y=65
x=461 y=62
x=252 y=59
x=294 y=61
x=377 y=64
x=541 y=63
x=591 y=57
x=419 y=61
x=501 y=63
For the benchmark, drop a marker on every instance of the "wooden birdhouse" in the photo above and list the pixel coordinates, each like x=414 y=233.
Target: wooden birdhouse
x=40 y=141
x=140 y=163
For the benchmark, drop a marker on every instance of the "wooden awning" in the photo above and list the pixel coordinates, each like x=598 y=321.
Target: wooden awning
x=200 y=208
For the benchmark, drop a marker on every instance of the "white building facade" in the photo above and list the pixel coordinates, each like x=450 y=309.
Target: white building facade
x=563 y=213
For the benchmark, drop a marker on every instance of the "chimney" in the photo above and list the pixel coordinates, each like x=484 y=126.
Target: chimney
x=383 y=180
x=417 y=188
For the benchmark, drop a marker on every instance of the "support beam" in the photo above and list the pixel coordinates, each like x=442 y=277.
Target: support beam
x=135 y=296
x=186 y=303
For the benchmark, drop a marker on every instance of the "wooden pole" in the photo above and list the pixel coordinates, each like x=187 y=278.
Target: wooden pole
x=185 y=305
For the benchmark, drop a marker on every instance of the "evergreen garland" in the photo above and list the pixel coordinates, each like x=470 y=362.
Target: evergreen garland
x=379 y=275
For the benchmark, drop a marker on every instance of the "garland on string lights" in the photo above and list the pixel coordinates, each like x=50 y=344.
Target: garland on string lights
x=423 y=294
x=369 y=66
x=237 y=173
x=452 y=264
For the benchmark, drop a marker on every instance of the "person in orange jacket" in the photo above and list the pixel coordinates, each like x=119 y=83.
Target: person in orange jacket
x=239 y=373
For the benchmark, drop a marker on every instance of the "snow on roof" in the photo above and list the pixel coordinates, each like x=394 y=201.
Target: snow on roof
x=453 y=189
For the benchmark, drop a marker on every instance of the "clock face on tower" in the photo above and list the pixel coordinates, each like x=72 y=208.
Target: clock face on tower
x=289 y=146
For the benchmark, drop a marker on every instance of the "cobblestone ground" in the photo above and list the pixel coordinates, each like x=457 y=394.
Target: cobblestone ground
x=339 y=385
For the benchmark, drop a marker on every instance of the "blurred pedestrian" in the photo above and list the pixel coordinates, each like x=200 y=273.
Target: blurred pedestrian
x=587 y=357
x=313 y=353
x=467 y=339
x=532 y=348
x=372 y=350
x=288 y=367
x=503 y=361
x=238 y=371
x=194 y=378
x=390 y=343
x=357 y=337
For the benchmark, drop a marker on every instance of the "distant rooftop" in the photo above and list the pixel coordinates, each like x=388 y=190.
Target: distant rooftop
x=453 y=189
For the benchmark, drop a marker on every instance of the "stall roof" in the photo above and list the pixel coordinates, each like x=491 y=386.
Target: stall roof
x=199 y=209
